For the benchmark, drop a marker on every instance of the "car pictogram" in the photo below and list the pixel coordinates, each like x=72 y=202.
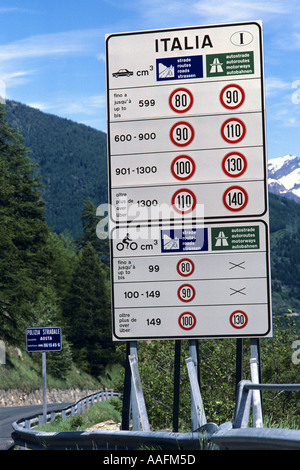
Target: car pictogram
x=122 y=73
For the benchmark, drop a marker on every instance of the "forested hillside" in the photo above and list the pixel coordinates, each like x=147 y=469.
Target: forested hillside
x=48 y=279
x=71 y=161
x=285 y=254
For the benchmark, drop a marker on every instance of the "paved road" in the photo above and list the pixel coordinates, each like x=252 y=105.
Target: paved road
x=9 y=414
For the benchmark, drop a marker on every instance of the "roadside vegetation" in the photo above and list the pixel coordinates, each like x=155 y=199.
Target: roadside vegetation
x=48 y=279
x=98 y=413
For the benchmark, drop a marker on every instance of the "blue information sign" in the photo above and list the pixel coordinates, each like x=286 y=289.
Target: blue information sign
x=43 y=339
x=184 y=239
x=179 y=68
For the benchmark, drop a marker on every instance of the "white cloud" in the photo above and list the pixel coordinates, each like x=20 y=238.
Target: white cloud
x=274 y=84
x=213 y=11
x=13 y=10
x=57 y=44
x=20 y=60
x=16 y=78
x=227 y=10
x=68 y=106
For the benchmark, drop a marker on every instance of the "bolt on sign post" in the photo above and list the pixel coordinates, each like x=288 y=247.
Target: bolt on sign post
x=189 y=221
x=42 y=340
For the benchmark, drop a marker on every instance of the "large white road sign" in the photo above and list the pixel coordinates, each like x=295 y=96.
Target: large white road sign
x=186 y=143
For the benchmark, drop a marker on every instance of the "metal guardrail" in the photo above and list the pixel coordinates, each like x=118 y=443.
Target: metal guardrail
x=228 y=436
x=241 y=437
x=26 y=436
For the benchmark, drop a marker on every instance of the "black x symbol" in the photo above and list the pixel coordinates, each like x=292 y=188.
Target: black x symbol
x=237 y=265
x=238 y=291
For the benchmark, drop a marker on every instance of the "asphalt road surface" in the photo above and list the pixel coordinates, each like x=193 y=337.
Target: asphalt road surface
x=9 y=414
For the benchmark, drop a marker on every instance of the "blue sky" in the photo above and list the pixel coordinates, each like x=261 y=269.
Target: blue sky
x=52 y=53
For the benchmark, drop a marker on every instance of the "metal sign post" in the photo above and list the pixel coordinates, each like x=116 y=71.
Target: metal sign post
x=44 y=373
x=43 y=339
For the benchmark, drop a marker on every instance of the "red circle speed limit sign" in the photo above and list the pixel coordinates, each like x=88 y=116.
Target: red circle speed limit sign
x=238 y=319
x=182 y=133
x=235 y=198
x=234 y=164
x=183 y=167
x=233 y=130
x=232 y=96
x=186 y=293
x=184 y=201
x=187 y=320
x=185 y=267
x=181 y=100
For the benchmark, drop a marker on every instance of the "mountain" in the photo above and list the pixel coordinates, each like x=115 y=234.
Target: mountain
x=71 y=161
x=284 y=176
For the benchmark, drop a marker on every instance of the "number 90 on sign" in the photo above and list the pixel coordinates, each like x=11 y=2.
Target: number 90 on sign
x=232 y=96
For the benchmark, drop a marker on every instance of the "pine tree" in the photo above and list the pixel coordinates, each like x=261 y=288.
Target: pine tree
x=23 y=232
x=89 y=224
x=88 y=313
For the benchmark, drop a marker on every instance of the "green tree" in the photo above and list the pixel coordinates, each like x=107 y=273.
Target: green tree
x=47 y=313
x=89 y=223
x=87 y=312
x=23 y=233
x=62 y=261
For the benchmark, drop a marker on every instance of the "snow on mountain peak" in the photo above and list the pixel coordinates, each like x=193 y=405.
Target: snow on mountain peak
x=284 y=176
x=275 y=164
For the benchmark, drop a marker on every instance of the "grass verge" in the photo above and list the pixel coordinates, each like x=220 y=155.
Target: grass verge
x=103 y=411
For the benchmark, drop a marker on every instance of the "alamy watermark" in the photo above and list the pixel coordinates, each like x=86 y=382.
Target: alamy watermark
x=296 y=94
x=296 y=353
x=142 y=221
x=2 y=92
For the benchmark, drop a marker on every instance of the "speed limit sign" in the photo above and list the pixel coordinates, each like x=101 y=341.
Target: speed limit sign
x=187 y=321
x=235 y=198
x=182 y=134
x=185 y=267
x=233 y=130
x=186 y=293
x=234 y=164
x=238 y=319
x=183 y=167
x=188 y=184
x=184 y=201
x=232 y=96
x=181 y=100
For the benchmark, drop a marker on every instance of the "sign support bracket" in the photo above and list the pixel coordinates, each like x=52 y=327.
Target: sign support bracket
x=176 y=399
x=239 y=362
x=130 y=406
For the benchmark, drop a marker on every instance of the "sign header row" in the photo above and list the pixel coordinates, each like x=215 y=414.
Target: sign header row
x=188 y=54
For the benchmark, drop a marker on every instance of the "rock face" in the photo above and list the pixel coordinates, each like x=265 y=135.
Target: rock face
x=105 y=425
x=16 y=397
